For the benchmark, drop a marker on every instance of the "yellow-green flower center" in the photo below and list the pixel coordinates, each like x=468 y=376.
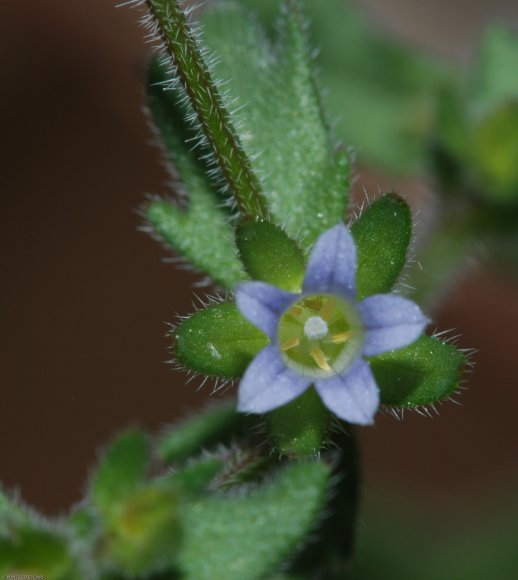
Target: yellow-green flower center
x=320 y=335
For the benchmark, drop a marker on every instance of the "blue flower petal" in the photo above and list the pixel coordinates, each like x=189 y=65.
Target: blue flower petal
x=268 y=383
x=263 y=305
x=390 y=322
x=353 y=396
x=332 y=264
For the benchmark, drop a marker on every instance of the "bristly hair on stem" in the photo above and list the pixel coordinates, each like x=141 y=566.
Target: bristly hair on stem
x=169 y=24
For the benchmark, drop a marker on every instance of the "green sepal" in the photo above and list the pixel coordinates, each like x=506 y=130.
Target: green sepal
x=217 y=341
x=121 y=470
x=299 y=428
x=250 y=535
x=202 y=431
x=145 y=533
x=424 y=373
x=269 y=255
x=382 y=234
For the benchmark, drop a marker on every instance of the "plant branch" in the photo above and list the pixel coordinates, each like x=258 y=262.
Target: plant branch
x=205 y=98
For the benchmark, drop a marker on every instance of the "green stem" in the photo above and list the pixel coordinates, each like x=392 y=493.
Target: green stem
x=330 y=555
x=207 y=103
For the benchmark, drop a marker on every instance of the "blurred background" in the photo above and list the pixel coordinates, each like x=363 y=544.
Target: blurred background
x=86 y=296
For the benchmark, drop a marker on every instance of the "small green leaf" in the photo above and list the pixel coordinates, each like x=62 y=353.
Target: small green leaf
x=423 y=373
x=210 y=427
x=200 y=231
x=145 y=533
x=247 y=537
x=299 y=428
x=122 y=469
x=382 y=234
x=218 y=341
x=268 y=254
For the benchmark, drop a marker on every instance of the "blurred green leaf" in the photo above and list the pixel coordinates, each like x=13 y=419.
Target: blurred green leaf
x=195 y=477
x=424 y=373
x=145 y=534
x=211 y=426
x=121 y=470
x=34 y=550
x=492 y=155
x=279 y=117
x=199 y=228
x=217 y=341
x=246 y=537
x=382 y=234
x=268 y=254
x=494 y=77
x=84 y=521
x=380 y=92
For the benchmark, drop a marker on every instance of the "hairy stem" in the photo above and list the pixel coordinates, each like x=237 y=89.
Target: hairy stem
x=207 y=103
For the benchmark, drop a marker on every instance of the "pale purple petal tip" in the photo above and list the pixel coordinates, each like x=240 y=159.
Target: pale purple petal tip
x=263 y=304
x=332 y=264
x=390 y=322
x=268 y=383
x=352 y=396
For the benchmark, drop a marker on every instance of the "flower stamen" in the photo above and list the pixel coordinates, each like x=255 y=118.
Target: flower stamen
x=341 y=337
x=291 y=342
x=325 y=311
x=324 y=338
x=295 y=311
x=320 y=358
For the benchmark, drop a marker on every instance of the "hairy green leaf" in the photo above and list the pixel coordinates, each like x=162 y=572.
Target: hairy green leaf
x=218 y=341
x=424 y=373
x=246 y=537
x=200 y=231
x=268 y=254
x=278 y=113
x=382 y=234
x=380 y=92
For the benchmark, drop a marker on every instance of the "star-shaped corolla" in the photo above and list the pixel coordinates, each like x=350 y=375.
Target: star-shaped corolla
x=320 y=336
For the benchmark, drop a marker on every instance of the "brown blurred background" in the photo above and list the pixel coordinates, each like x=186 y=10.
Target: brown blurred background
x=85 y=295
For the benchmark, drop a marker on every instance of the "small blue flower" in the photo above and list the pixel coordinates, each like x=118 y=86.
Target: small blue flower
x=320 y=335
